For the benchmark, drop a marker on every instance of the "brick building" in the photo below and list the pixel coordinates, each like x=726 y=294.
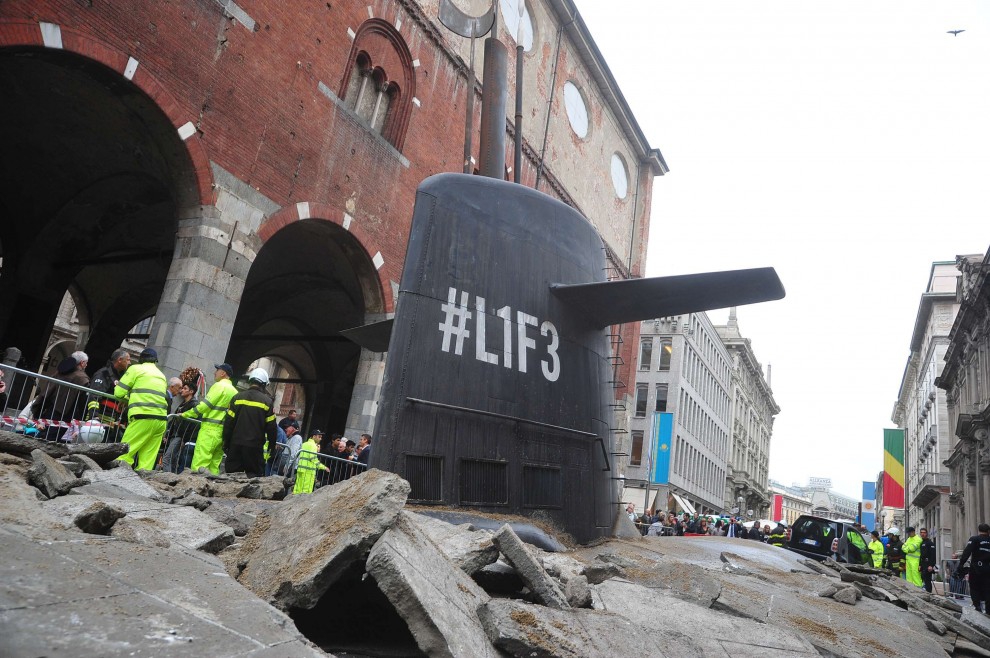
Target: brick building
x=240 y=176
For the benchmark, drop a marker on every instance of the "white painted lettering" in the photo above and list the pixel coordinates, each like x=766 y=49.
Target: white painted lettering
x=481 y=320
x=524 y=341
x=506 y=314
x=551 y=369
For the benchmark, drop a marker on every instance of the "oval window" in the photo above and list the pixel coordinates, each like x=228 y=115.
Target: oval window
x=576 y=108
x=620 y=176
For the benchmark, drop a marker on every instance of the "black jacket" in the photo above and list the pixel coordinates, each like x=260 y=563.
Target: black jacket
x=979 y=548
x=250 y=420
x=928 y=558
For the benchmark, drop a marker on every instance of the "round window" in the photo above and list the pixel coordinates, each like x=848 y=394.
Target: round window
x=577 y=109
x=620 y=177
x=510 y=14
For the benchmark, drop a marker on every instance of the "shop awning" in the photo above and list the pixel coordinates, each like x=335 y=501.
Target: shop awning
x=684 y=503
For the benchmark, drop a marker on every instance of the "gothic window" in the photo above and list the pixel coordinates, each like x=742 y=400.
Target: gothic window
x=379 y=83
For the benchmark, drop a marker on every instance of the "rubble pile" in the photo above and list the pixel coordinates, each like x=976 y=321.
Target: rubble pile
x=104 y=561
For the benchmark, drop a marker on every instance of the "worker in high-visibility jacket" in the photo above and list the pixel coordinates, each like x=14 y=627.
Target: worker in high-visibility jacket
x=876 y=549
x=308 y=464
x=143 y=388
x=779 y=536
x=912 y=558
x=211 y=411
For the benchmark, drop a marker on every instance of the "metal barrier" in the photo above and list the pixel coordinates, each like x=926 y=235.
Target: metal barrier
x=324 y=469
x=178 y=444
x=954 y=588
x=52 y=409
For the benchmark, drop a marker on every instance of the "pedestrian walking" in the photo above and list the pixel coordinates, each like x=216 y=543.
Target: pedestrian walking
x=978 y=548
x=249 y=424
x=143 y=388
x=211 y=411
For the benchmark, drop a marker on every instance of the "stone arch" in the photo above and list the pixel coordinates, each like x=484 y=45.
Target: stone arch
x=79 y=209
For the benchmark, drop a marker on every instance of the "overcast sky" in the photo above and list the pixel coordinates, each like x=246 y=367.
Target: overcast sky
x=846 y=144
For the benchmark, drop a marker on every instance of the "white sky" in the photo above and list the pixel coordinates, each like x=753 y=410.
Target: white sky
x=846 y=144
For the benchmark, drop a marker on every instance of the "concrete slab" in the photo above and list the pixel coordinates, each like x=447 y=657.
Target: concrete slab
x=524 y=629
x=665 y=612
x=104 y=598
x=292 y=557
x=529 y=569
x=471 y=550
x=437 y=600
x=185 y=526
x=51 y=477
x=124 y=478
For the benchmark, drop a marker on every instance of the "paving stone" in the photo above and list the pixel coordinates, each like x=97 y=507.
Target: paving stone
x=846 y=595
x=437 y=600
x=602 y=571
x=124 y=478
x=98 y=518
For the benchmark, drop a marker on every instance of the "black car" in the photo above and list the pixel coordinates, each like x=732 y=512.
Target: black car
x=818 y=538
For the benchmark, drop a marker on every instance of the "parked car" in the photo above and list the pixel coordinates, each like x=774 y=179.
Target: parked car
x=818 y=538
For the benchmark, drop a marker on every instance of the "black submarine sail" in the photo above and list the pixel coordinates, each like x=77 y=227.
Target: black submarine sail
x=496 y=395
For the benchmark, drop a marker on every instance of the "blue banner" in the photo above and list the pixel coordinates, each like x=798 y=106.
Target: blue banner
x=869 y=519
x=663 y=430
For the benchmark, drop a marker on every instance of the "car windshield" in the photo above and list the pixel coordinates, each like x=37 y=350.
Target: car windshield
x=813 y=532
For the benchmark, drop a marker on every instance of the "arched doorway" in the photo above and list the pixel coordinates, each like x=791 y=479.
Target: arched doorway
x=309 y=281
x=92 y=174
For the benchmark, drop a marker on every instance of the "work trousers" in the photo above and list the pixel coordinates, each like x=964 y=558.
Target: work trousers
x=913 y=572
x=926 y=579
x=979 y=589
x=249 y=459
x=209 y=448
x=144 y=437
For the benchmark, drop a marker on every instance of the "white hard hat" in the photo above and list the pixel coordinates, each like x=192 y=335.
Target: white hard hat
x=894 y=531
x=258 y=375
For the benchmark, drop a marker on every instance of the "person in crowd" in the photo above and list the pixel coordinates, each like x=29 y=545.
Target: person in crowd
x=778 y=537
x=142 y=388
x=719 y=529
x=248 y=425
x=876 y=549
x=754 y=532
x=631 y=512
x=702 y=527
x=928 y=561
x=912 y=557
x=211 y=411
x=106 y=408
x=364 y=449
x=174 y=384
x=293 y=444
x=180 y=430
x=292 y=419
x=62 y=403
x=732 y=530
x=895 y=552
x=308 y=464
x=978 y=548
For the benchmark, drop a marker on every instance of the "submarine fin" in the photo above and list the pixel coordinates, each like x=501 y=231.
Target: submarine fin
x=374 y=336
x=633 y=300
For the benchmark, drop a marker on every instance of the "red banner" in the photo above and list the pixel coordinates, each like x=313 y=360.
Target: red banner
x=778 y=508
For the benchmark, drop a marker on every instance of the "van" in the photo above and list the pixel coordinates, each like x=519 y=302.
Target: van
x=818 y=538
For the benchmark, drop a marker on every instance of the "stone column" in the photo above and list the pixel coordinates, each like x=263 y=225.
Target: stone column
x=203 y=288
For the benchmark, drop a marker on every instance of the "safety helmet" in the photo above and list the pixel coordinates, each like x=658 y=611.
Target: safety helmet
x=258 y=375
x=894 y=531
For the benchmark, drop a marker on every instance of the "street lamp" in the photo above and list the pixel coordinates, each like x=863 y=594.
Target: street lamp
x=740 y=500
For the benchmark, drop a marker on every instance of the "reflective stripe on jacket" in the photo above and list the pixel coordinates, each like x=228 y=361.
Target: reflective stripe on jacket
x=213 y=408
x=144 y=388
x=250 y=420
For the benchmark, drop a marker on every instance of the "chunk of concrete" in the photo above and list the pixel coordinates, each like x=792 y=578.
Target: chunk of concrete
x=101 y=453
x=437 y=600
x=140 y=531
x=599 y=572
x=846 y=595
x=499 y=578
x=98 y=518
x=624 y=528
x=269 y=488
x=184 y=526
x=827 y=591
x=51 y=477
x=524 y=629
x=87 y=462
x=471 y=550
x=293 y=556
x=662 y=612
x=934 y=626
x=529 y=569
x=123 y=477
x=577 y=591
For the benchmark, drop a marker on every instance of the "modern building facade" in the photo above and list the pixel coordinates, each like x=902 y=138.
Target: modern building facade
x=752 y=414
x=682 y=368
x=240 y=179
x=821 y=499
x=921 y=410
x=965 y=379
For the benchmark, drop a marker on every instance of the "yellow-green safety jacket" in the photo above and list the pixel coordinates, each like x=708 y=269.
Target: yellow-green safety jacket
x=212 y=408
x=143 y=387
x=877 y=547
